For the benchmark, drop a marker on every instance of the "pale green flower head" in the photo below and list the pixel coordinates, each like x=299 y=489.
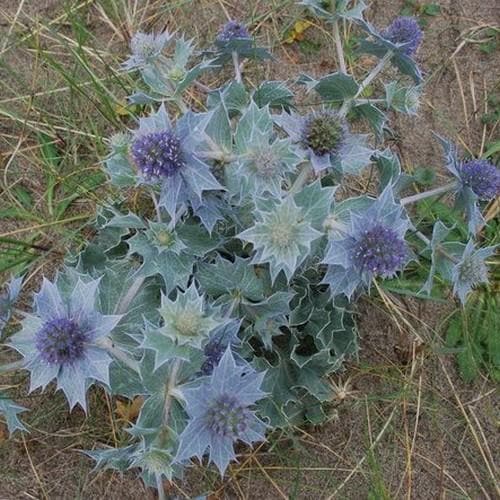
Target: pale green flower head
x=281 y=236
x=187 y=319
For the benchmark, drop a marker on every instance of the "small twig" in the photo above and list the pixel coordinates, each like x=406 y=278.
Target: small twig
x=236 y=63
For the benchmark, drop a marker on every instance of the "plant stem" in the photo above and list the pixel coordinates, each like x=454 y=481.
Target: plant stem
x=125 y=301
x=157 y=206
x=338 y=47
x=427 y=194
x=301 y=178
x=107 y=343
x=170 y=390
x=366 y=82
x=159 y=487
x=236 y=63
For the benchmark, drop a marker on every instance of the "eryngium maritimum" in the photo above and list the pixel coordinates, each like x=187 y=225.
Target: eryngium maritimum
x=220 y=413
x=471 y=270
x=482 y=177
x=232 y=30
x=404 y=31
x=323 y=132
x=146 y=48
x=60 y=341
x=370 y=245
x=158 y=154
x=167 y=154
x=380 y=251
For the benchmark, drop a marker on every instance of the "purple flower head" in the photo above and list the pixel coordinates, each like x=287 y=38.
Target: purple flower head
x=370 y=243
x=220 y=413
x=158 y=154
x=61 y=341
x=323 y=132
x=166 y=154
x=228 y=417
x=482 y=177
x=380 y=251
x=232 y=30
x=405 y=31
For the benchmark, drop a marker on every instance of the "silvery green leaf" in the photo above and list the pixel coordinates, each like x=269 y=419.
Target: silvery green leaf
x=112 y=458
x=10 y=410
x=355 y=155
x=375 y=117
x=141 y=98
x=165 y=348
x=254 y=121
x=124 y=381
x=316 y=202
x=275 y=94
x=237 y=279
x=439 y=234
x=219 y=127
x=191 y=75
x=122 y=290
x=390 y=172
x=403 y=99
x=121 y=173
x=234 y=96
x=129 y=221
x=335 y=88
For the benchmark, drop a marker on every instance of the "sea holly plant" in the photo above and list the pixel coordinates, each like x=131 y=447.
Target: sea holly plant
x=227 y=301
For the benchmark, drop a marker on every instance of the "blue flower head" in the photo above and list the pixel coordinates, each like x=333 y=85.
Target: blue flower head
x=165 y=153
x=324 y=138
x=370 y=245
x=232 y=30
x=146 y=48
x=406 y=33
x=477 y=180
x=61 y=340
x=471 y=270
x=482 y=177
x=220 y=413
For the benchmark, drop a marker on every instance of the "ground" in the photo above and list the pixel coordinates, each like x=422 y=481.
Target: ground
x=403 y=423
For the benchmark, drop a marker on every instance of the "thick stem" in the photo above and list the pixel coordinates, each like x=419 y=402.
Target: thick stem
x=338 y=47
x=170 y=390
x=427 y=194
x=236 y=63
x=125 y=301
x=160 y=488
x=157 y=206
x=367 y=81
x=122 y=356
x=301 y=178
